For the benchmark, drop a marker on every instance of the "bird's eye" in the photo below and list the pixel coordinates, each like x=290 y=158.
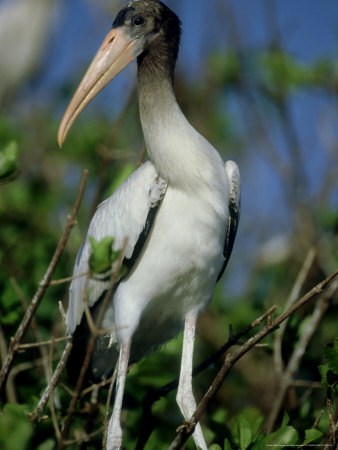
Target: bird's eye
x=138 y=20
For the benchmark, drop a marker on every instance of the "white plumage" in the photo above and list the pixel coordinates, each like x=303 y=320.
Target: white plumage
x=179 y=212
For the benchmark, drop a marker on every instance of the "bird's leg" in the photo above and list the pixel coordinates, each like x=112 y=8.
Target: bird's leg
x=114 y=438
x=185 y=397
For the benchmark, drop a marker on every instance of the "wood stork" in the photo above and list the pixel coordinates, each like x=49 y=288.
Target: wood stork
x=179 y=211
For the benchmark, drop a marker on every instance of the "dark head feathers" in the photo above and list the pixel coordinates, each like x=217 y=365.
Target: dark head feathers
x=165 y=20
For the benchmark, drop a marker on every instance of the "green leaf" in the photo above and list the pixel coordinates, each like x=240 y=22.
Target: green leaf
x=283 y=437
x=15 y=428
x=311 y=436
x=8 y=159
x=329 y=378
x=331 y=356
x=259 y=443
x=227 y=445
x=215 y=447
x=286 y=419
x=49 y=444
x=323 y=369
x=102 y=255
x=244 y=433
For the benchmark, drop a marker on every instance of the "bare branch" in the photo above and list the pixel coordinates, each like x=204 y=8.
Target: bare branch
x=91 y=347
x=53 y=382
x=318 y=419
x=42 y=343
x=156 y=394
x=51 y=399
x=10 y=389
x=67 y=279
x=294 y=294
x=33 y=325
x=106 y=416
x=185 y=431
x=43 y=285
x=287 y=378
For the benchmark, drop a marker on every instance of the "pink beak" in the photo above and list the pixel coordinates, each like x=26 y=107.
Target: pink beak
x=116 y=52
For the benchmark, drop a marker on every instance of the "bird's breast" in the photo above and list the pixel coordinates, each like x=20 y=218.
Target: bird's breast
x=177 y=270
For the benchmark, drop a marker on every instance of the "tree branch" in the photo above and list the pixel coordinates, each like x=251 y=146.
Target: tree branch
x=188 y=427
x=147 y=424
x=287 y=377
x=43 y=285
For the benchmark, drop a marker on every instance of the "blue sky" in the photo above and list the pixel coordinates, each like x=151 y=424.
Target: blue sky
x=308 y=31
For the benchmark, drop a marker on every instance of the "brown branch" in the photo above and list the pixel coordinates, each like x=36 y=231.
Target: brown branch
x=43 y=285
x=188 y=426
x=84 y=438
x=42 y=343
x=51 y=399
x=330 y=413
x=154 y=395
x=10 y=389
x=318 y=419
x=106 y=415
x=34 y=325
x=90 y=348
x=96 y=386
x=287 y=378
x=53 y=382
x=294 y=294
x=67 y=279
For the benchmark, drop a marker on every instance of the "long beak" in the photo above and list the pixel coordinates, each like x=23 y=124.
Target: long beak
x=116 y=52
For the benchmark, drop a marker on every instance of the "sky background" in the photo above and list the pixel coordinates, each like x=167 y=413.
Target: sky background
x=308 y=28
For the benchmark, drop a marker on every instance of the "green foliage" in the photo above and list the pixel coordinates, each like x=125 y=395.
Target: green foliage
x=282 y=438
x=15 y=430
x=102 y=255
x=329 y=371
x=35 y=201
x=8 y=160
x=246 y=434
x=311 y=436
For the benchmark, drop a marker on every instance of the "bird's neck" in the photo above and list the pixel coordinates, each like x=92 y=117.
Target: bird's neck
x=179 y=153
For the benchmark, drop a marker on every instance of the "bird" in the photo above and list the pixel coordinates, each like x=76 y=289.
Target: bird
x=177 y=213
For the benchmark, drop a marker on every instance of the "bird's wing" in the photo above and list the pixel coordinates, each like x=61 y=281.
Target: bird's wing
x=128 y=213
x=234 y=204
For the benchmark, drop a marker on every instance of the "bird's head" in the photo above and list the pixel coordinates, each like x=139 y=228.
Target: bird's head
x=140 y=28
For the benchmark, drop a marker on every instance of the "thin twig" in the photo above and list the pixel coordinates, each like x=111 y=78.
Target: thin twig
x=67 y=279
x=330 y=412
x=43 y=285
x=287 y=378
x=53 y=382
x=155 y=394
x=33 y=324
x=97 y=385
x=106 y=415
x=51 y=399
x=294 y=294
x=318 y=419
x=42 y=343
x=185 y=431
x=84 y=438
x=10 y=389
x=90 y=348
